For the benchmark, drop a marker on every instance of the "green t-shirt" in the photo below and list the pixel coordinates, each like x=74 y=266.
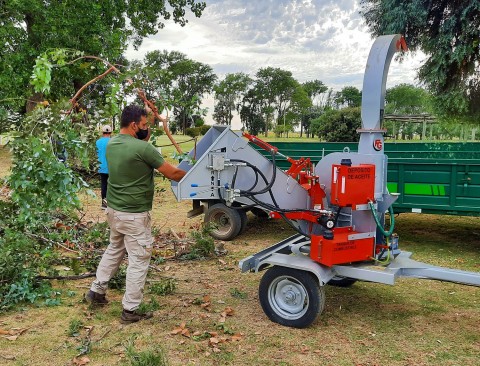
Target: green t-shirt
x=131 y=163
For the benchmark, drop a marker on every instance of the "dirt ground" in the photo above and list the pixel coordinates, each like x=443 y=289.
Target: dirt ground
x=415 y=322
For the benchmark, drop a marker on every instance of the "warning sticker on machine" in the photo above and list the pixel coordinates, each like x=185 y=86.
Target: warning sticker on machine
x=359 y=173
x=345 y=246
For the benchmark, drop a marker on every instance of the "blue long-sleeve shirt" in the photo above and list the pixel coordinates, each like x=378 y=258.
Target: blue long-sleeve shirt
x=102 y=154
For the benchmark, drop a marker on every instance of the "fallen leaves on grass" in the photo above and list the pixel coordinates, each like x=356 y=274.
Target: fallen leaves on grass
x=182 y=329
x=81 y=361
x=205 y=302
x=8 y=357
x=13 y=333
x=237 y=337
x=227 y=312
x=214 y=338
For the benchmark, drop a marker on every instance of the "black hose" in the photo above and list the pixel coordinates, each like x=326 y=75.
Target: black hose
x=254 y=168
x=248 y=193
x=257 y=171
x=269 y=185
x=337 y=215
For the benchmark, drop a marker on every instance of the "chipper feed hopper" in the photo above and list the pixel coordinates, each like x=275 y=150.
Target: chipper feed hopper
x=337 y=207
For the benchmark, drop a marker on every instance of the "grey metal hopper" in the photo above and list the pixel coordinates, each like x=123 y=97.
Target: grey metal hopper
x=219 y=154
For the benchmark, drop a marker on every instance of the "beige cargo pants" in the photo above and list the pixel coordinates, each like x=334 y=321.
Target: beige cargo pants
x=130 y=233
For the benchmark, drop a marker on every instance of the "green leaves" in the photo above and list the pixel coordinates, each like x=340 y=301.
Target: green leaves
x=103 y=28
x=228 y=94
x=42 y=74
x=338 y=125
x=176 y=81
x=47 y=148
x=447 y=31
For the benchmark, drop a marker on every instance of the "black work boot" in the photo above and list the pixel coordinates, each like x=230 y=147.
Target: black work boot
x=134 y=316
x=94 y=298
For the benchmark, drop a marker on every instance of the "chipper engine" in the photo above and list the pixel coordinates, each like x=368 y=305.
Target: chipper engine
x=337 y=207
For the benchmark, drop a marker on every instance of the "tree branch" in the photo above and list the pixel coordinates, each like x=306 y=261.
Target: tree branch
x=95 y=58
x=154 y=109
x=73 y=277
x=77 y=94
x=51 y=242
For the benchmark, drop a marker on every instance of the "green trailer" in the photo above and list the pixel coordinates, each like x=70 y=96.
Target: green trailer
x=438 y=177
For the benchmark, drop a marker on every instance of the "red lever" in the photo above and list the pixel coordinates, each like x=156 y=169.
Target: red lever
x=264 y=145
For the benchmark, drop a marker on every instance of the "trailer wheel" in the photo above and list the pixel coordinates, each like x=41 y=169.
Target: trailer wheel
x=339 y=281
x=258 y=212
x=291 y=297
x=244 y=219
x=226 y=221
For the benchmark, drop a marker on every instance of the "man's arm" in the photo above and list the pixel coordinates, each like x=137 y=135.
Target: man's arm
x=171 y=172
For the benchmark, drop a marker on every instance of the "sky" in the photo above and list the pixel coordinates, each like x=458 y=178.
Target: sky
x=314 y=39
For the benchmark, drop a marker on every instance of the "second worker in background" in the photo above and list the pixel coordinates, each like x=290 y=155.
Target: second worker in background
x=102 y=158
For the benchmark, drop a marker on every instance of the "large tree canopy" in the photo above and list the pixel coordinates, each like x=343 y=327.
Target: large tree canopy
x=407 y=99
x=228 y=94
x=349 y=96
x=448 y=32
x=180 y=81
x=102 y=28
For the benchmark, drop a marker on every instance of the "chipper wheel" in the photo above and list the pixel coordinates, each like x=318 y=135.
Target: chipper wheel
x=339 y=281
x=226 y=222
x=291 y=297
x=243 y=220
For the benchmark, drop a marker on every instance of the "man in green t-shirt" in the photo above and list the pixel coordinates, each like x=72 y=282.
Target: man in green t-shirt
x=131 y=165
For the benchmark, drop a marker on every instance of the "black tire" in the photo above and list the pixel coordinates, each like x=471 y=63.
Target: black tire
x=279 y=289
x=339 y=281
x=258 y=212
x=226 y=222
x=244 y=220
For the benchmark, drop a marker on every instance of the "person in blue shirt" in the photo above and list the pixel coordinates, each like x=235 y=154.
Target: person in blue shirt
x=102 y=158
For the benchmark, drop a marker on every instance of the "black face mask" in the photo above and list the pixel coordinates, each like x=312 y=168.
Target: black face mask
x=142 y=134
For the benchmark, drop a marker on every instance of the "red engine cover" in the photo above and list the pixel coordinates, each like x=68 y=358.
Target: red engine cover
x=352 y=185
x=340 y=249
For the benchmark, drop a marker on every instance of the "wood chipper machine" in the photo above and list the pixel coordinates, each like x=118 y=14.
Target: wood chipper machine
x=337 y=207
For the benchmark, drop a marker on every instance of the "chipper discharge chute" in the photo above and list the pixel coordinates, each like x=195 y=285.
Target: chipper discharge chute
x=337 y=208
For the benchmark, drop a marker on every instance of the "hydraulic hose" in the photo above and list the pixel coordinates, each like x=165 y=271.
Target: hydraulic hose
x=269 y=185
x=255 y=170
x=263 y=204
x=268 y=188
x=377 y=221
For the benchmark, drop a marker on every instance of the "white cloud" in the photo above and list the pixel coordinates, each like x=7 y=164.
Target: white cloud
x=314 y=39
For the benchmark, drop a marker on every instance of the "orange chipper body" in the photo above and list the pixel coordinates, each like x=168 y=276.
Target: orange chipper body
x=351 y=186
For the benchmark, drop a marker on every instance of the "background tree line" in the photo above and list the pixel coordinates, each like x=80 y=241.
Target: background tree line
x=270 y=100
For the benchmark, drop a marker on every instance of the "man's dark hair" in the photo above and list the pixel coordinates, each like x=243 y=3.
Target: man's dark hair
x=132 y=113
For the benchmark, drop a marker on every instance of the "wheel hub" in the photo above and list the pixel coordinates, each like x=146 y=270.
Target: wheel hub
x=223 y=220
x=291 y=296
x=288 y=297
